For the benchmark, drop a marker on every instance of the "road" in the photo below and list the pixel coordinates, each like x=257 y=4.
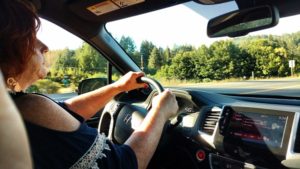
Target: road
x=283 y=87
x=62 y=97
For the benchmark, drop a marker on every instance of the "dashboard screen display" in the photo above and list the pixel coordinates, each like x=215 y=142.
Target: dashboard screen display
x=258 y=128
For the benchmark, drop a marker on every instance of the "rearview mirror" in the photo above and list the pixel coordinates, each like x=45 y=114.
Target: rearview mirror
x=88 y=85
x=241 y=22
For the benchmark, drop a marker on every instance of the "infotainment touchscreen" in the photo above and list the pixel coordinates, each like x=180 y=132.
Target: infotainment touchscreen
x=258 y=128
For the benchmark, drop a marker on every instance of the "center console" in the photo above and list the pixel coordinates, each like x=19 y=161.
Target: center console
x=252 y=137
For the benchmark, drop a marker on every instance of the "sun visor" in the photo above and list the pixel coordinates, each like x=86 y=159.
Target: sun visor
x=211 y=11
x=209 y=2
x=110 y=10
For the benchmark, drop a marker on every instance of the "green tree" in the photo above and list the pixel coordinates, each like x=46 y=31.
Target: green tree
x=136 y=56
x=183 y=66
x=181 y=49
x=166 y=71
x=90 y=60
x=128 y=45
x=202 y=69
x=62 y=61
x=292 y=45
x=222 y=59
x=145 y=51
x=155 y=59
x=167 y=56
x=244 y=63
x=66 y=58
x=270 y=57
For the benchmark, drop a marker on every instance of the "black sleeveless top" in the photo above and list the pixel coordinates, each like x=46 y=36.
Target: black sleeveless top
x=84 y=148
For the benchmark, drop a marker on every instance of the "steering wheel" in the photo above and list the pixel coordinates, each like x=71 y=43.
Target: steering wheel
x=152 y=82
x=118 y=120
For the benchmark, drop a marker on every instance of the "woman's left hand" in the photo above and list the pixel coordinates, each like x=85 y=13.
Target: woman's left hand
x=129 y=82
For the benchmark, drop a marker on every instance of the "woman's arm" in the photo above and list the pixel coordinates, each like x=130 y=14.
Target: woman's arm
x=145 y=139
x=86 y=105
x=14 y=145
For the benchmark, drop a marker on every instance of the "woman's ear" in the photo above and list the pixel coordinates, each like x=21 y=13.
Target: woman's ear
x=13 y=85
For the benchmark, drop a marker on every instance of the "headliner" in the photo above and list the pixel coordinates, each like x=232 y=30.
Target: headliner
x=72 y=14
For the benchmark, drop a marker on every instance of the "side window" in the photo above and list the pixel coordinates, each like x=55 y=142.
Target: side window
x=70 y=61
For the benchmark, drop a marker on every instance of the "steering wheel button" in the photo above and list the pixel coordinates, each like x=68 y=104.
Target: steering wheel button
x=200 y=155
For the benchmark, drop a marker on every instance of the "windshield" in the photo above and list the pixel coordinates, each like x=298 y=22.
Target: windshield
x=171 y=45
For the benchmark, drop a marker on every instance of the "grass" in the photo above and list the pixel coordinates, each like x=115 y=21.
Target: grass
x=48 y=86
x=66 y=90
x=176 y=82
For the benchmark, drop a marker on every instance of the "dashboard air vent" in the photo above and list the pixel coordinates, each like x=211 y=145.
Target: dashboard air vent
x=297 y=141
x=210 y=120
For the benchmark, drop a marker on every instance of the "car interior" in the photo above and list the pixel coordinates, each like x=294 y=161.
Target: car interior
x=211 y=130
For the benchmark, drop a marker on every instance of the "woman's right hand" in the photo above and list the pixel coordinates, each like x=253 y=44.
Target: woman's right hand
x=129 y=82
x=166 y=104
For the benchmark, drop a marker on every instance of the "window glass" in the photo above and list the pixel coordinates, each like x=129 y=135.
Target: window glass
x=70 y=61
x=172 y=46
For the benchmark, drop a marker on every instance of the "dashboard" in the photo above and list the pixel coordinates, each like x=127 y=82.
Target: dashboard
x=242 y=134
x=214 y=131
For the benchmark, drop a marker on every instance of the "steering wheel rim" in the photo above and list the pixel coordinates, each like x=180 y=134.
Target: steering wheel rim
x=153 y=82
x=114 y=110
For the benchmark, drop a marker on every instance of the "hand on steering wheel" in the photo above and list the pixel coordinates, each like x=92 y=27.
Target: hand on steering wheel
x=153 y=82
x=116 y=118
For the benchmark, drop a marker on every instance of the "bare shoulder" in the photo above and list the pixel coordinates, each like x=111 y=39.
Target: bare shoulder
x=44 y=112
x=32 y=99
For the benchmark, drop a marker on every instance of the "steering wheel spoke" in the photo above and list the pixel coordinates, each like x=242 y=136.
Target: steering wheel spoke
x=118 y=120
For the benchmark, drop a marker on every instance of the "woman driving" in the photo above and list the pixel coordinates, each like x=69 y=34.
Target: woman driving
x=58 y=135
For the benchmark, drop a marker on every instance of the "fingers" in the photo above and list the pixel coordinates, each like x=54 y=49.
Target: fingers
x=134 y=76
x=166 y=94
x=139 y=74
x=129 y=82
x=169 y=93
x=166 y=103
x=172 y=99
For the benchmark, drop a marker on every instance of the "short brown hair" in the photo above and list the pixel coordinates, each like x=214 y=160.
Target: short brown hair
x=18 y=27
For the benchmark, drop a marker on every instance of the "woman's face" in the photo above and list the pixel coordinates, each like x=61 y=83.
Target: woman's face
x=36 y=68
